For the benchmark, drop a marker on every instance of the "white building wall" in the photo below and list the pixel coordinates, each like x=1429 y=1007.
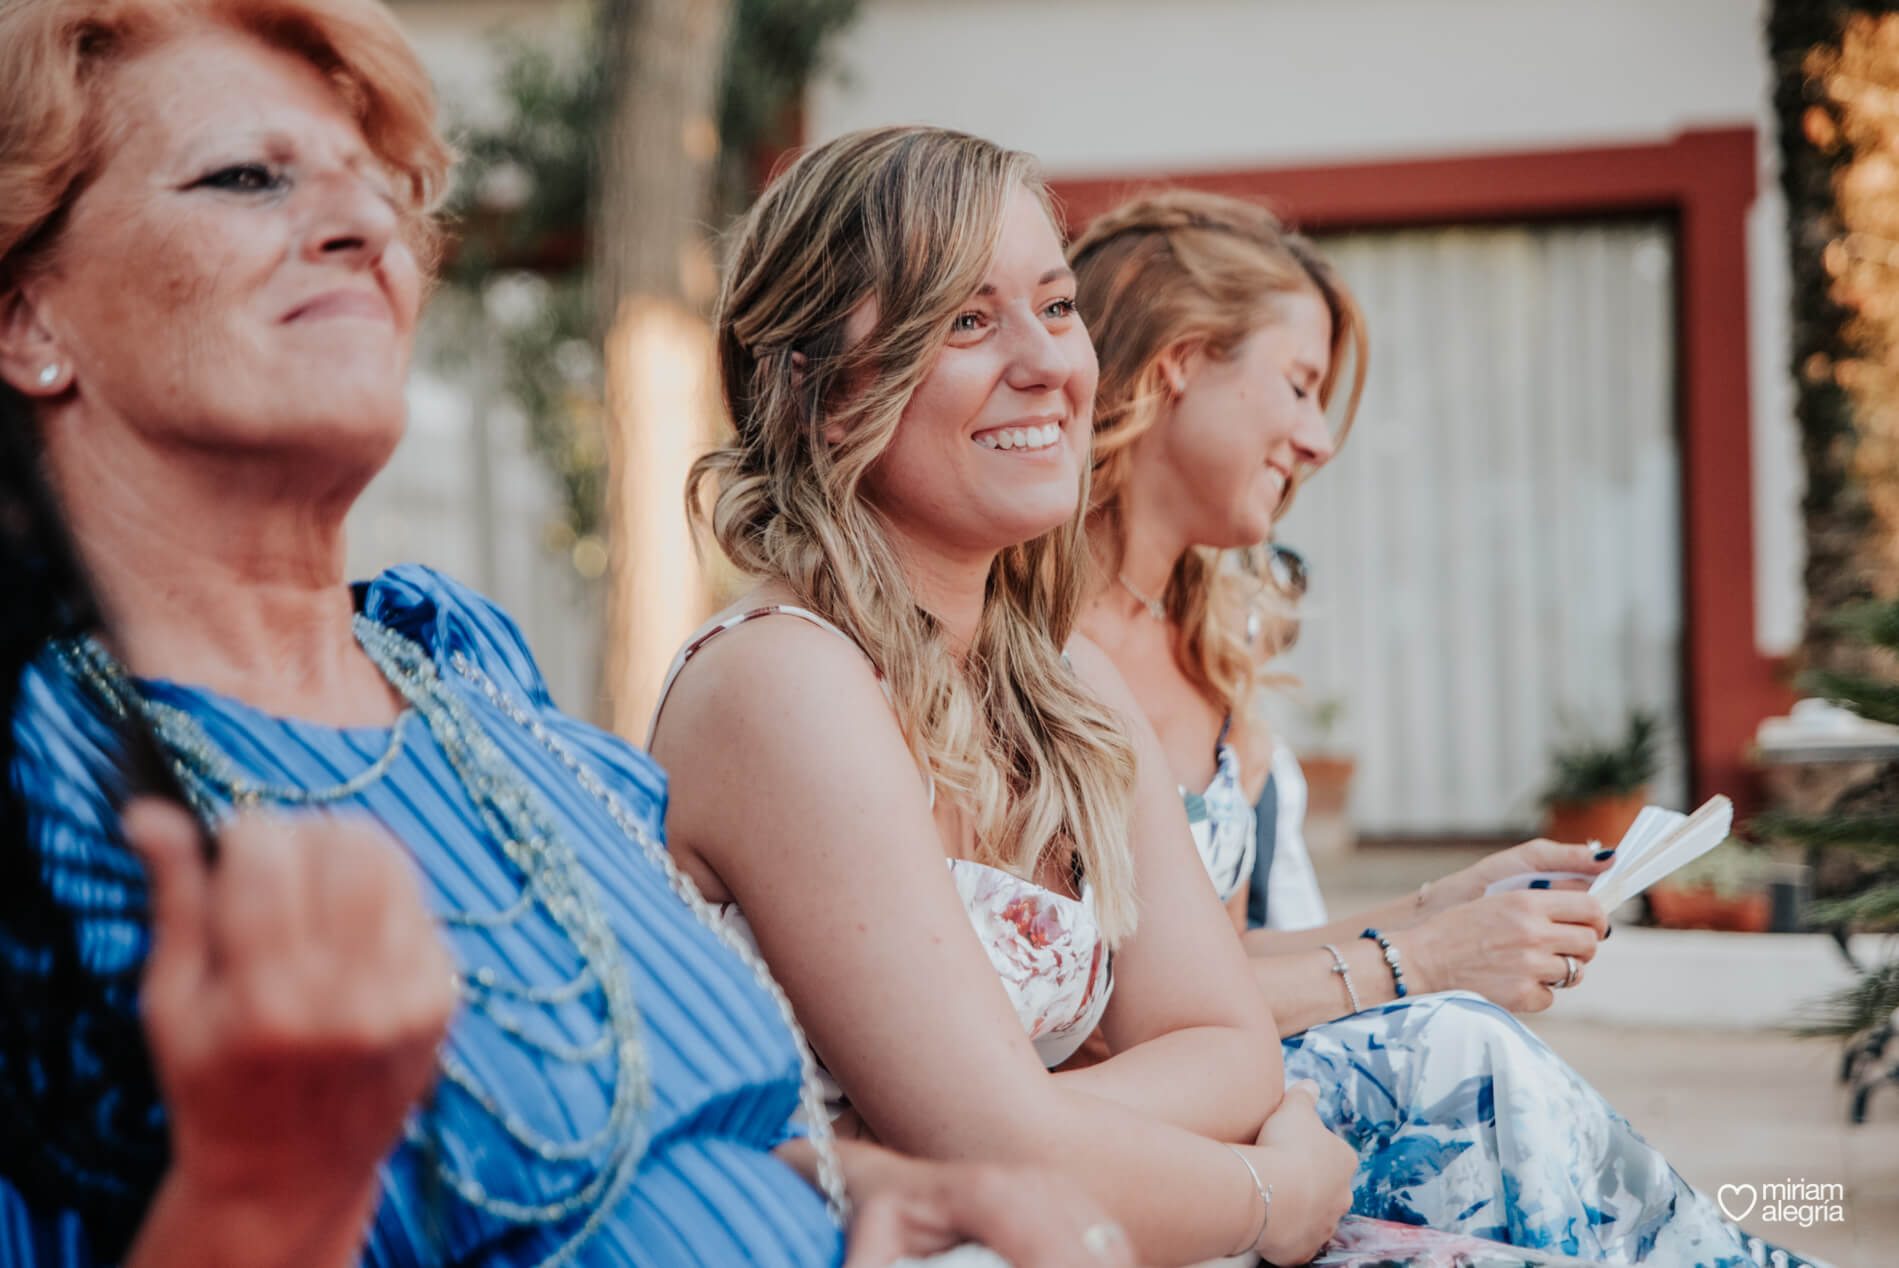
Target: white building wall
x=1102 y=87
x=1497 y=564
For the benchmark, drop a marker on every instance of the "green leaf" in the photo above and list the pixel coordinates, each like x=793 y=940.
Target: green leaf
x=1872 y=834
x=1871 y=698
x=1585 y=771
x=1866 y=1003
x=1875 y=911
x=555 y=102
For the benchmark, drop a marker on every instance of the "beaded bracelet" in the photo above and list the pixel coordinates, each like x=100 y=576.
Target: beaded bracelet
x=1391 y=958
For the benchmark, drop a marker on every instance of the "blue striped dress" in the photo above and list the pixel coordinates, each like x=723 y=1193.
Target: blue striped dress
x=725 y=1070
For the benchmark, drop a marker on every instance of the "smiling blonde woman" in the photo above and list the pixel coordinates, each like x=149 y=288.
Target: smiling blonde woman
x=957 y=847
x=1223 y=339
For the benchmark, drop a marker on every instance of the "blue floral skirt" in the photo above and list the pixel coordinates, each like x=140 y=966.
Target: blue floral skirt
x=1466 y=1122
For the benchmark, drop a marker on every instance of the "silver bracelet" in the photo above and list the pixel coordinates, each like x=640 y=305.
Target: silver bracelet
x=1345 y=975
x=1265 y=1203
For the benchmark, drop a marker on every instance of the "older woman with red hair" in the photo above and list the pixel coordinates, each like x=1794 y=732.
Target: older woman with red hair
x=214 y=238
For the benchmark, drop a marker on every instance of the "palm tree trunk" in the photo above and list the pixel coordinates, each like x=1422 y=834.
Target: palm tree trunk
x=654 y=276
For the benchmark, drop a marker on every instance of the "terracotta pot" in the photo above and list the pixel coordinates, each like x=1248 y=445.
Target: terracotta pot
x=1700 y=907
x=1328 y=782
x=1605 y=819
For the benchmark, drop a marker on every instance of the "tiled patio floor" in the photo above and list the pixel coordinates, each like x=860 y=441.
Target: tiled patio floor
x=1752 y=1108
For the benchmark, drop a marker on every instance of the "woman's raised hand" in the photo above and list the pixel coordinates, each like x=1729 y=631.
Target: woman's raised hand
x=293 y=1001
x=1507 y=947
x=1539 y=855
x=1311 y=1173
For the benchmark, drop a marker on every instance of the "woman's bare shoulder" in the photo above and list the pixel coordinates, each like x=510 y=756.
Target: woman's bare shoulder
x=774 y=670
x=1098 y=673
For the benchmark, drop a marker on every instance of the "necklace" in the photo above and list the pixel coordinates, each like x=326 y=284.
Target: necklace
x=817 y=1118
x=551 y=878
x=1155 y=608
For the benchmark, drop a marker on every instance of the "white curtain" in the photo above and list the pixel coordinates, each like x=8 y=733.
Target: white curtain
x=1496 y=553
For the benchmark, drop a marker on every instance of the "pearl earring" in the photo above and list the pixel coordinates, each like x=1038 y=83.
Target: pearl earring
x=49 y=376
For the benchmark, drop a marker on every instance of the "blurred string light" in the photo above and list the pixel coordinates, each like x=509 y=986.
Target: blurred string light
x=1837 y=96
x=1853 y=120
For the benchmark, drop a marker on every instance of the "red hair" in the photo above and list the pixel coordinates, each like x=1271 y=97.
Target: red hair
x=54 y=59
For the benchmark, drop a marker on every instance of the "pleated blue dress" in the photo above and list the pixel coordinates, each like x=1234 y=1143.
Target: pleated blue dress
x=724 y=1067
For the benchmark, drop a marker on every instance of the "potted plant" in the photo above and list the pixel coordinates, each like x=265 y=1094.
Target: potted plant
x=1597 y=789
x=1726 y=888
x=1328 y=767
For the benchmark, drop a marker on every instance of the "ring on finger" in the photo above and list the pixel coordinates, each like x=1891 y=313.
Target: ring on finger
x=1572 y=973
x=1101 y=1240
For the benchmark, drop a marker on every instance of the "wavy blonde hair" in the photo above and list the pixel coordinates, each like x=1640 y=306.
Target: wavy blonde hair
x=908 y=219
x=1185 y=270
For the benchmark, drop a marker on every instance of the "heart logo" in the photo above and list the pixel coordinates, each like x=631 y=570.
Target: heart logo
x=1740 y=1190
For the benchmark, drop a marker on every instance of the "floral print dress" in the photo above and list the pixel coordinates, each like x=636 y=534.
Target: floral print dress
x=1221 y=820
x=1046 y=947
x=1466 y=1122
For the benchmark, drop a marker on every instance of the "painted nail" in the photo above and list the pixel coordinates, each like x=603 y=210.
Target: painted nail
x=1603 y=854
x=1607 y=930
x=1540 y=884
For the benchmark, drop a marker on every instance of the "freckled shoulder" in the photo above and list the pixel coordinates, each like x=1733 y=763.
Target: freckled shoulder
x=774 y=671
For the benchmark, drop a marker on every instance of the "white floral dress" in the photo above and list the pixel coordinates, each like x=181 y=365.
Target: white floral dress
x=1046 y=947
